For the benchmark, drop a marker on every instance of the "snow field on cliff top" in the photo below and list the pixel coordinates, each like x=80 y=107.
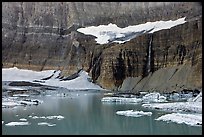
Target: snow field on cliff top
x=112 y=32
x=79 y=83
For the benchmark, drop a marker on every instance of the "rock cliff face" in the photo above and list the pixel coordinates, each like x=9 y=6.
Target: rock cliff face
x=43 y=35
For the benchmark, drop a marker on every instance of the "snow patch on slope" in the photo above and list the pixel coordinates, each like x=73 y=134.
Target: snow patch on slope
x=112 y=33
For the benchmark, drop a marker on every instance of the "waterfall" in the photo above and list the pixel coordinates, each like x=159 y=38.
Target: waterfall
x=149 y=55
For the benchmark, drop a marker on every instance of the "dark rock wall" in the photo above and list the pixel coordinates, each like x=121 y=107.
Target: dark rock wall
x=176 y=60
x=42 y=35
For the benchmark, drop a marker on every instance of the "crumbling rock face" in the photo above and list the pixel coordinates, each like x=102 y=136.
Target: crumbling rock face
x=42 y=35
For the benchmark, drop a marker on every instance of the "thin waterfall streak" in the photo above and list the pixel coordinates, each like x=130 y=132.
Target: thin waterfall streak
x=78 y=63
x=149 y=56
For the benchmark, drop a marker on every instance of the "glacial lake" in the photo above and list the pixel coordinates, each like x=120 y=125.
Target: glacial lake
x=85 y=114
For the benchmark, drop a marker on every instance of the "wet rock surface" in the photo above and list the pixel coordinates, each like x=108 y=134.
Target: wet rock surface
x=41 y=36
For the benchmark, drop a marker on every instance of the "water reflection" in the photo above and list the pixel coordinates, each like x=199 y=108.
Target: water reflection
x=85 y=114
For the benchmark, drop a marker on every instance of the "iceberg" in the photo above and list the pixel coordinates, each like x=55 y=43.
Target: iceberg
x=192 y=105
x=121 y=100
x=23 y=119
x=46 y=124
x=59 y=117
x=189 y=119
x=153 y=97
x=30 y=102
x=13 y=101
x=17 y=123
x=10 y=104
x=21 y=95
x=150 y=97
x=133 y=113
x=195 y=107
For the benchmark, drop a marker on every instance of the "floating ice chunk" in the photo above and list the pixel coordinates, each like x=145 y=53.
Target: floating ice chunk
x=21 y=95
x=23 y=119
x=177 y=106
x=17 y=123
x=30 y=102
x=121 y=100
x=35 y=117
x=11 y=98
x=43 y=117
x=174 y=96
x=46 y=124
x=57 y=117
x=10 y=104
x=154 y=97
x=189 y=119
x=133 y=113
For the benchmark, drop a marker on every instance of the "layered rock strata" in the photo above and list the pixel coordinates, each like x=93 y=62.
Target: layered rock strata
x=43 y=35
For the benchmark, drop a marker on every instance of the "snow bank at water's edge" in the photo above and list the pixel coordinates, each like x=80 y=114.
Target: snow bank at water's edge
x=79 y=83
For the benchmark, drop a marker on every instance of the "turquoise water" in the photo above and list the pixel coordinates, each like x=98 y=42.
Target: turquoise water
x=85 y=114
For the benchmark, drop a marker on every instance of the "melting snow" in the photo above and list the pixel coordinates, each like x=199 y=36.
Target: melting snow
x=112 y=33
